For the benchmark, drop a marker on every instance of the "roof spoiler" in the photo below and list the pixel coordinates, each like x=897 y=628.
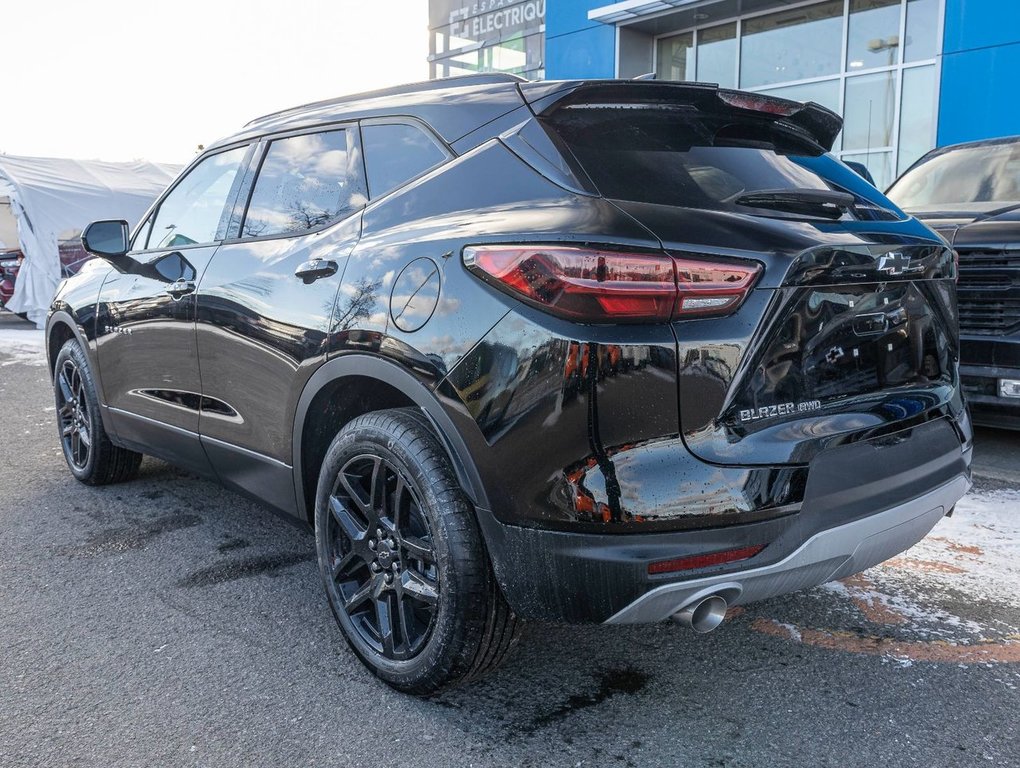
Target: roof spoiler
x=478 y=78
x=821 y=124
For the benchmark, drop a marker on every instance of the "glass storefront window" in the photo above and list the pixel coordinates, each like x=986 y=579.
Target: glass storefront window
x=917 y=115
x=717 y=52
x=868 y=111
x=922 y=37
x=792 y=45
x=676 y=58
x=825 y=92
x=873 y=34
x=879 y=163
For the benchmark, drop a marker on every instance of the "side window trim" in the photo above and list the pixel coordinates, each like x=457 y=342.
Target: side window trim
x=414 y=123
x=355 y=165
x=145 y=225
x=239 y=204
x=153 y=212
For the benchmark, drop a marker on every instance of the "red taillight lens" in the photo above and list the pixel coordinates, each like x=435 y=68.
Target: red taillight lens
x=710 y=288
x=704 y=561
x=602 y=286
x=579 y=283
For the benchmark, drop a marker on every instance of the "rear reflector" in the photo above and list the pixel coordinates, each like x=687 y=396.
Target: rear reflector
x=704 y=561
x=602 y=286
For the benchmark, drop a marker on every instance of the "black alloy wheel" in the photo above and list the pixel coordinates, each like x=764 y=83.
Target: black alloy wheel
x=91 y=456
x=73 y=412
x=381 y=557
x=402 y=557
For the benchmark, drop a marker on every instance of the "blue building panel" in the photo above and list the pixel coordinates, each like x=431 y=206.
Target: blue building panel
x=980 y=62
x=565 y=16
x=978 y=94
x=586 y=53
x=974 y=24
x=576 y=47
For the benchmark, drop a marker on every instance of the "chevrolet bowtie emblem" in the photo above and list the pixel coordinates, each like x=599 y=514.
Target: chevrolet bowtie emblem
x=895 y=263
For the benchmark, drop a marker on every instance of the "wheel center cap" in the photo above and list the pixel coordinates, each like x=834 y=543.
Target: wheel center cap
x=384 y=555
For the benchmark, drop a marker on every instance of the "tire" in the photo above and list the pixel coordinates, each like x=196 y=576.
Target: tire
x=428 y=570
x=90 y=455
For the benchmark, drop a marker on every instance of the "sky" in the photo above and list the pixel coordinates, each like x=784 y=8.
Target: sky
x=128 y=79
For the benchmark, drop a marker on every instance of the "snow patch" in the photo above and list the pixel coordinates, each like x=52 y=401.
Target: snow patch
x=981 y=545
x=973 y=555
x=26 y=346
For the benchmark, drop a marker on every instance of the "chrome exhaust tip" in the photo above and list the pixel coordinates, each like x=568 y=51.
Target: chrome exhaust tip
x=703 y=615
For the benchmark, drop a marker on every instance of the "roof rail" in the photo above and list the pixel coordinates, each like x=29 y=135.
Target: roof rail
x=481 y=78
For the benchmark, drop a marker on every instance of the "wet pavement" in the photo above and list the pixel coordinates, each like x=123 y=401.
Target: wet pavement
x=168 y=622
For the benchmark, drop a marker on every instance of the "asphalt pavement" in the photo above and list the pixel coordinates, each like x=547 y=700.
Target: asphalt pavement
x=168 y=622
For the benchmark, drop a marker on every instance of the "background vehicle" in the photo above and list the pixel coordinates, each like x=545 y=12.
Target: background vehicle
x=588 y=351
x=970 y=193
x=9 y=263
x=72 y=257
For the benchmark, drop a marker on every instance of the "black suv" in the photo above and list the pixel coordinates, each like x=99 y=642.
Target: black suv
x=970 y=193
x=601 y=351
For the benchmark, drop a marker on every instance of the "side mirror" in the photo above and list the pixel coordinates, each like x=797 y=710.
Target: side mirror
x=106 y=238
x=861 y=170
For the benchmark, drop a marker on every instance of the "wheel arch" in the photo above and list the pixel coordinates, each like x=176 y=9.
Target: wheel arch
x=372 y=383
x=61 y=327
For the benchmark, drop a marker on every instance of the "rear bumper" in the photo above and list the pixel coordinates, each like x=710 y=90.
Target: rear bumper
x=864 y=502
x=831 y=554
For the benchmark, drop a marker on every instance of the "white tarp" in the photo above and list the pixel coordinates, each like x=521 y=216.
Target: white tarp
x=54 y=198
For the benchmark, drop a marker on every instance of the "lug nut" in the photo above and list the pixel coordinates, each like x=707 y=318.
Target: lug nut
x=371 y=544
x=396 y=566
x=379 y=533
x=389 y=578
x=375 y=566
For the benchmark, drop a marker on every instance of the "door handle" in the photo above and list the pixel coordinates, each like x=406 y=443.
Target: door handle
x=178 y=289
x=313 y=269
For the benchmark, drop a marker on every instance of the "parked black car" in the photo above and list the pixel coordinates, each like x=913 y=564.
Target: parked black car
x=603 y=351
x=970 y=193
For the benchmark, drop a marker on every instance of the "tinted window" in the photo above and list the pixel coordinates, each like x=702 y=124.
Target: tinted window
x=397 y=153
x=193 y=212
x=987 y=173
x=305 y=182
x=695 y=159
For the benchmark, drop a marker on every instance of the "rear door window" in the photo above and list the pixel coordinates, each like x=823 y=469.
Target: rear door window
x=395 y=153
x=305 y=183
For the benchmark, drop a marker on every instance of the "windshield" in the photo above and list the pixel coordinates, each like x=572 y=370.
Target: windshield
x=979 y=174
x=692 y=159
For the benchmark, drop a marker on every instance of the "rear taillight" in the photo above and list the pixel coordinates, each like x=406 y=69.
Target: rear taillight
x=602 y=286
x=707 y=288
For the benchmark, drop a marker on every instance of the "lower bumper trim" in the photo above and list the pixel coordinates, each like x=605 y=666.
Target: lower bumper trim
x=834 y=553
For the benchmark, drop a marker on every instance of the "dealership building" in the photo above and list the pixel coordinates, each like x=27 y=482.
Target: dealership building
x=907 y=75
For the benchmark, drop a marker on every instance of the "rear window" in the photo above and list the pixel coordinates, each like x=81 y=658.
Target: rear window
x=683 y=157
x=396 y=153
